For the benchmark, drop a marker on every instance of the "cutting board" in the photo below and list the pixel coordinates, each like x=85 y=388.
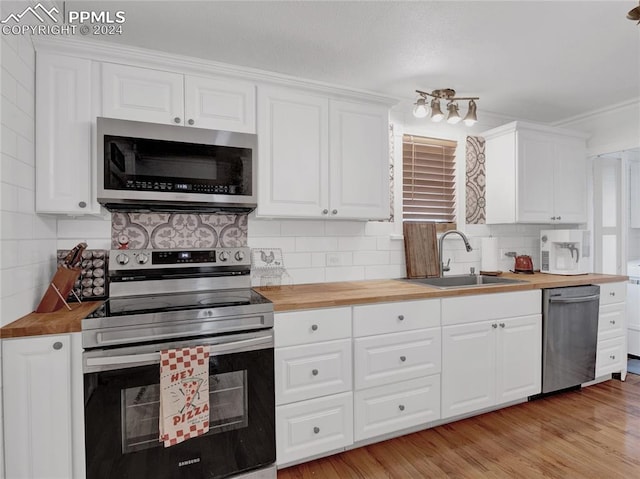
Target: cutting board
x=421 y=250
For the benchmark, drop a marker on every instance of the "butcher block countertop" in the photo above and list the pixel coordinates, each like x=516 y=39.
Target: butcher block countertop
x=59 y=322
x=326 y=295
x=310 y=296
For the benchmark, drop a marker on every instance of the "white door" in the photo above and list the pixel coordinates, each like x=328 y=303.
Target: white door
x=293 y=154
x=63 y=128
x=220 y=104
x=570 y=182
x=359 y=160
x=36 y=375
x=535 y=171
x=142 y=94
x=519 y=358
x=468 y=367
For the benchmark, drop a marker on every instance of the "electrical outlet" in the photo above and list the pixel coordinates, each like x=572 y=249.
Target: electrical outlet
x=334 y=259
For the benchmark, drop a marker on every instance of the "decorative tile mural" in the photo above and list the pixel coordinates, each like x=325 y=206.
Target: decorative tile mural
x=177 y=230
x=475 y=180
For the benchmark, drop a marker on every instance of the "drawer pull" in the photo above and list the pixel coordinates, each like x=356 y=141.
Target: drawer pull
x=314 y=372
x=314 y=327
x=613 y=321
x=57 y=345
x=502 y=325
x=612 y=293
x=401 y=317
x=401 y=407
x=403 y=358
x=612 y=357
x=316 y=430
x=494 y=325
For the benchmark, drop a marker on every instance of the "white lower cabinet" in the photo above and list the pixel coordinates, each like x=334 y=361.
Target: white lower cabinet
x=385 y=409
x=611 y=356
x=490 y=362
x=43 y=407
x=309 y=428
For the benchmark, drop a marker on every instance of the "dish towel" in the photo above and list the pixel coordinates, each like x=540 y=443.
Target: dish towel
x=184 y=394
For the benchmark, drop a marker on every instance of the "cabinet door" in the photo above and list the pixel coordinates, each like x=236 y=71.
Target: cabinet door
x=141 y=94
x=220 y=104
x=37 y=404
x=468 y=367
x=535 y=170
x=292 y=154
x=63 y=129
x=570 y=182
x=359 y=161
x=519 y=358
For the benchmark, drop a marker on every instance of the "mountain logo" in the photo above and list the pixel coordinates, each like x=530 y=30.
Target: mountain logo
x=34 y=11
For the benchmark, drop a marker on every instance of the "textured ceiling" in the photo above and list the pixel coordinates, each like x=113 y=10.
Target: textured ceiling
x=537 y=60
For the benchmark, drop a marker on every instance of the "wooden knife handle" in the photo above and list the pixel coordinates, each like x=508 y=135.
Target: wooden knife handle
x=74 y=258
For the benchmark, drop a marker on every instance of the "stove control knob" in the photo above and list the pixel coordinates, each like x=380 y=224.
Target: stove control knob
x=122 y=259
x=239 y=255
x=142 y=259
x=223 y=256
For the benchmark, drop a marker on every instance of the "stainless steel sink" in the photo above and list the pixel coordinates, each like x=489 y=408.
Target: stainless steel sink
x=464 y=281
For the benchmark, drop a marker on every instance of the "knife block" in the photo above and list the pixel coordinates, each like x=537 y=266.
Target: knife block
x=58 y=289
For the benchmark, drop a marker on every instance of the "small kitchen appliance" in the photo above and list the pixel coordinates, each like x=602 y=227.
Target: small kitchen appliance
x=170 y=299
x=565 y=252
x=523 y=264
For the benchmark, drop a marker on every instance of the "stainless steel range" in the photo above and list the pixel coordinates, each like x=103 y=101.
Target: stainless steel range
x=165 y=299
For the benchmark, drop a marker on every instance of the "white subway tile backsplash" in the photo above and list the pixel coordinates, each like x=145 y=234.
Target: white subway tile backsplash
x=26 y=151
x=385 y=271
x=44 y=227
x=305 y=275
x=8 y=197
x=260 y=227
x=397 y=257
x=297 y=260
x=366 y=258
x=386 y=243
x=379 y=228
x=316 y=244
x=84 y=228
x=358 y=243
x=339 y=259
x=20 y=304
x=93 y=243
x=8 y=141
x=17 y=119
x=16 y=226
x=344 y=273
x=285 y=244
x=26 y=200
x=318 y=260
x=345 y=228
x=302 y=228
x=25 y=101
x=9 y=85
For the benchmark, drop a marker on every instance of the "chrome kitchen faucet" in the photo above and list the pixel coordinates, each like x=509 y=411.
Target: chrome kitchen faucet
x=446 y=267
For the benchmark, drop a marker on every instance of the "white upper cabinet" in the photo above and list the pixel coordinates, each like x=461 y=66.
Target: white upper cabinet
x=64 y=149
x=321 y=158
x=142 y=94
x=535 y=174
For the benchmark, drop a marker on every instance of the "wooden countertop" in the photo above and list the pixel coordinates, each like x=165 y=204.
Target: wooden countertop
x=326 y=295
x=309 y=296
x=59 y=322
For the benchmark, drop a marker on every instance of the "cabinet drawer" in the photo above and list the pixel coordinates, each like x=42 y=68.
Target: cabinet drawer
x=611 y=356
x=395 y=317
x=390 y=408
x=304 y=327
x=313 y=427
x=611 y=321
x=396 y=357
x=613 y=293
x=484 y=307
x=305 y=372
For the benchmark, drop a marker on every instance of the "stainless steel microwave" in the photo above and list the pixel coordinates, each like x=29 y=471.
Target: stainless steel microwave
x=154 y=167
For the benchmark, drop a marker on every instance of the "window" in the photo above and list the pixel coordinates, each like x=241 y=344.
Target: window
x=428 y=180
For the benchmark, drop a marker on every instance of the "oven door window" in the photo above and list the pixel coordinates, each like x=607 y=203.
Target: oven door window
x=121 y=422
x=140 y=408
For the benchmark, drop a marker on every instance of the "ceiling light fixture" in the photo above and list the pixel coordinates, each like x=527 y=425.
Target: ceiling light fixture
x=634 y=14
x=420 y=109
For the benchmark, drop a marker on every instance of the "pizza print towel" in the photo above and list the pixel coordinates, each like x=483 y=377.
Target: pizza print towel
x=184 y=394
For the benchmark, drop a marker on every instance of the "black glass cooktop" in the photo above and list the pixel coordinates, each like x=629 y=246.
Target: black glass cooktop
x=160 y=303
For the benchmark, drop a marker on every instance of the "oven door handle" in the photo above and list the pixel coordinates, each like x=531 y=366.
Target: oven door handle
x=109 y=362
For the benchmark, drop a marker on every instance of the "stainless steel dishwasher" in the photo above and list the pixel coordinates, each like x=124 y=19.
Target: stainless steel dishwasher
x=569 y=336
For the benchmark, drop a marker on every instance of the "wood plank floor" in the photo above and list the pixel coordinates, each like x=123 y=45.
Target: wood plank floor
x=591 y=433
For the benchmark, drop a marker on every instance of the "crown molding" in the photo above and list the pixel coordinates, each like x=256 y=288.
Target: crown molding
x=145 y=58
x=635 y=102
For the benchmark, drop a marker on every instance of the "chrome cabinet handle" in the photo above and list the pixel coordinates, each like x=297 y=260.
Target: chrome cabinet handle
x=82 y=204
x=316 y=430
x=191 y=122
x=559 y=217
x=403 y=358
x=613 y=321
x=494 y=325
x=612 y=357
x=502 y=325
x=612 y=293
x=401 y=317
x=325 y=211
x=57 y=345
x=401 y=407
x=334 y=212
x=177 y=119
x=314 y=327
x=314 y=372
x=553 y=218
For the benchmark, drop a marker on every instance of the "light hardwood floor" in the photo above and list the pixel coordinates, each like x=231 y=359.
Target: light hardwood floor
x=591 y=433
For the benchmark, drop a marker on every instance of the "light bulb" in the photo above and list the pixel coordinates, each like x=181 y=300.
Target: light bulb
x=436 y=112
x=472 y=116
x=420 y=110
x=453 y=117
